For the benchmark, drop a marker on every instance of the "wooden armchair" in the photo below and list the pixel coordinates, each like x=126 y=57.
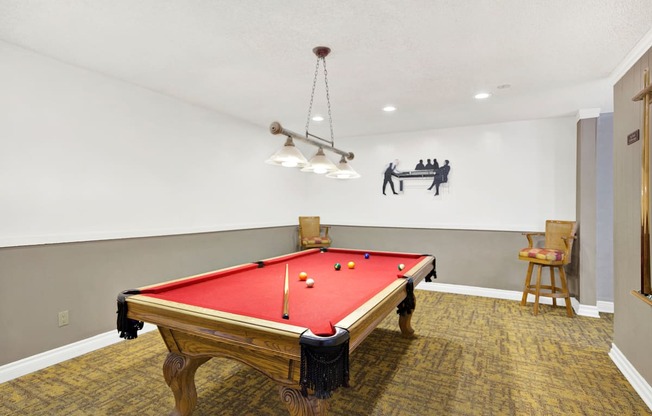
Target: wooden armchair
x=312 y=234
x=555 y=254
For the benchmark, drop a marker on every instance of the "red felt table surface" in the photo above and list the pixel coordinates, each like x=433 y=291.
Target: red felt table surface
x=258 y=292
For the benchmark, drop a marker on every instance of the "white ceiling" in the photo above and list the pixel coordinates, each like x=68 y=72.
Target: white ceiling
x=253 y=59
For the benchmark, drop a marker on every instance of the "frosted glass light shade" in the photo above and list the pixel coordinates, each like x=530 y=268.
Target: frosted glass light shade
x=344 y=171
x=319 y=164
x=288 y=156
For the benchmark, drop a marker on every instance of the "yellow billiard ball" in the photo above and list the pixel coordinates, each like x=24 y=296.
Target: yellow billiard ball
x=351 y=265
x=303 y=276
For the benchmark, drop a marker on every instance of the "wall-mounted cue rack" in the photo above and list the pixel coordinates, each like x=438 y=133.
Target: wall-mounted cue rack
x=645 y=95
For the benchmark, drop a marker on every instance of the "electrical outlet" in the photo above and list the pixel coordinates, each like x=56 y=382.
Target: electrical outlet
x=63 y=318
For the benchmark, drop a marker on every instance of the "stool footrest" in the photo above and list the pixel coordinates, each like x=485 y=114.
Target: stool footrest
x=554 y=292
x=546 y=291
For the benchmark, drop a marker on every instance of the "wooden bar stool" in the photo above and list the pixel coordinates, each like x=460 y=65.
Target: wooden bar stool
x=555 y=254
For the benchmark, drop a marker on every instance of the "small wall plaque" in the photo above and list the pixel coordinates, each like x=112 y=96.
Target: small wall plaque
x=632 y=137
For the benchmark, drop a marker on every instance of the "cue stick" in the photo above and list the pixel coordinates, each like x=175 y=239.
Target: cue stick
x=286 y=295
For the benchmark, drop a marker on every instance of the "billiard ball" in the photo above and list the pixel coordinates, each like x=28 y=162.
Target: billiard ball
x=351 y=265
x=337 y=266
x=310 y=282
x=303 y=276
x=366 y=255
x=401 y=266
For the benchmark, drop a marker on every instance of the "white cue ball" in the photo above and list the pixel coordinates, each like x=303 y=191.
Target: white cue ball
x=310 y=282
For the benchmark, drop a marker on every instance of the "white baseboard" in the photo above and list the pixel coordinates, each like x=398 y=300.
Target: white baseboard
x=585 y=310
x=40 y=361
x=632 y=375
x=471 y=290
x=580 y=309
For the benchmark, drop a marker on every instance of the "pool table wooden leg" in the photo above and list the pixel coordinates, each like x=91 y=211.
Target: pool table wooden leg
x=179 y=372
x=405 y=309
x=405 y=324
x=298 y=405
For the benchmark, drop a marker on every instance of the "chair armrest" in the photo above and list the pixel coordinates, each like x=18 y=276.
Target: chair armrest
x=567 y=242
x=530 y=235
x=326 y=228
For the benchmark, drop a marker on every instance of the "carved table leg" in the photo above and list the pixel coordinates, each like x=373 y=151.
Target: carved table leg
x=405 y=324
x=179 y=372
x=298 y=405
x=404 y=310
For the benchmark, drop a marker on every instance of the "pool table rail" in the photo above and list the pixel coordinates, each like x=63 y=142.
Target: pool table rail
x=208 y=329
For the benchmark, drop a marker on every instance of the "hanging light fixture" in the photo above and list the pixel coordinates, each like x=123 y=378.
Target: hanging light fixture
x=290 y=156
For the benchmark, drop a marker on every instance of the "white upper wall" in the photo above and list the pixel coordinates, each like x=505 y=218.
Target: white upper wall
x=508 y=176
x=86 y=157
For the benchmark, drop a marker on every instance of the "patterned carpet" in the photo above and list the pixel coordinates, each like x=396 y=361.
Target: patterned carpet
x=472 y=356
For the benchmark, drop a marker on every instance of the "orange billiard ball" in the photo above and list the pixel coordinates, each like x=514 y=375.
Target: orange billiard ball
x=351 y=265
x=303 y=276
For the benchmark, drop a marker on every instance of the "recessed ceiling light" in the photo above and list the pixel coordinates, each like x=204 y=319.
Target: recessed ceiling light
x=389 y=108
x=318 y=118
x=482 y=96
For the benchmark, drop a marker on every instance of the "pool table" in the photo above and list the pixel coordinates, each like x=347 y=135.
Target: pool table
x=298 y=336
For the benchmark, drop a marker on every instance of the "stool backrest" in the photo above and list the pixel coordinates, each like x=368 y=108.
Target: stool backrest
x=555 y=230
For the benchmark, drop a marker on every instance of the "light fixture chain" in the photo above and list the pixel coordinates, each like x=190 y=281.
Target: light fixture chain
x=312 y=95
x=328 y=102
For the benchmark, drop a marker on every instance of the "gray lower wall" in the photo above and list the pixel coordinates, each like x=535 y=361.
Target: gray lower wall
x=486 y=259
x=37 y=282
x=84 y=278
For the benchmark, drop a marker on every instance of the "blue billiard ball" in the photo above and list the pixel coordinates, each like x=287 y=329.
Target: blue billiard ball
x=366 y=255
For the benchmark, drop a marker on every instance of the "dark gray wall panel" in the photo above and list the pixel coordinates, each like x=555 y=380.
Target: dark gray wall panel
x=84 y=278
x=486 y=259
